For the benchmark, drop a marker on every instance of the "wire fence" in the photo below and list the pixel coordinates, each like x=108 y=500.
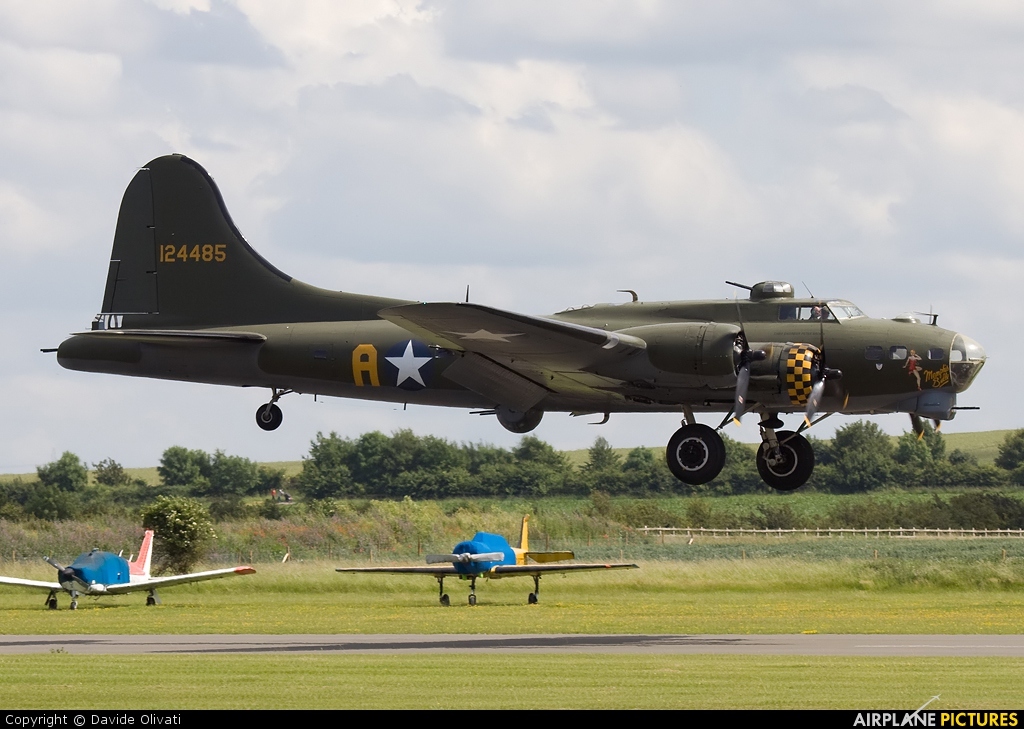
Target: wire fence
x=826 y=532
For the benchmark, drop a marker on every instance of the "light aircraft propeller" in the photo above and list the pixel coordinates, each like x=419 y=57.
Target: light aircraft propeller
x=465 y=557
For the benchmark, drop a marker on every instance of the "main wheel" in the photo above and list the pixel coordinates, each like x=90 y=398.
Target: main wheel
x=269 y=416
x=472 y=599
x=695 y=454
x=532 y=598
x=52 y=603
x=73 y=605
x=445 y=602
x=794 y=466
x=150 y=600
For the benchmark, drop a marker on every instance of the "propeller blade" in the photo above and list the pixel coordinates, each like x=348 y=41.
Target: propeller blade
x=742 y=383
x=65 y=574
x=54 y=563
x=814 y=401
x=438 y=558
x=487 y=557
x=917 y=424
x=465 y=557
x=938 y=425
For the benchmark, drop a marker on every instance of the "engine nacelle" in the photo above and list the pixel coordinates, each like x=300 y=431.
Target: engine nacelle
x=706 y=351
x=516 y=421
x=788 y=370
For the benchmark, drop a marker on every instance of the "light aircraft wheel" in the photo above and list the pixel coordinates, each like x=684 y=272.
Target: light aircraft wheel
x=695 y=454
x=531 y=599
x=445 y=602
x=269 y=416
x=74 y=605
x=52 y=603
x=472 y=599
x=150 y=600
x=792 y=470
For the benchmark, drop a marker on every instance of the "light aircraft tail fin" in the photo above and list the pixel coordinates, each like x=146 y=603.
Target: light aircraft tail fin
x=140 y=567
x=178 y=261
x=524 y=534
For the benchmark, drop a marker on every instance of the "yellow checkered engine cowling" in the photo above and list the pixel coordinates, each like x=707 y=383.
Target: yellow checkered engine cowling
x=799 y=362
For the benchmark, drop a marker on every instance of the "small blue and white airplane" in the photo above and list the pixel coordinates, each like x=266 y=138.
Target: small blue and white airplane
x=491 y=556
x=98 y=573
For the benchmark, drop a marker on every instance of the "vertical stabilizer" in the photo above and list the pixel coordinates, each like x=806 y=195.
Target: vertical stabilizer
x=524 y=534
x=140 y=567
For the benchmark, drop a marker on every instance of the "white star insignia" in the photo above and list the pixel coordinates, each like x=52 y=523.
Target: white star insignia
x=485 y=336
x=409 y=366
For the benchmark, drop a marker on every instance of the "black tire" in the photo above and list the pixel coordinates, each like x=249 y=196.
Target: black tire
x=796 y=465
x=150 y=600
x=445 y=602
x=269 y=416
x=73 y=605
x=532 y=599
x=52 y=603
x=695 y=454
x=472 y=599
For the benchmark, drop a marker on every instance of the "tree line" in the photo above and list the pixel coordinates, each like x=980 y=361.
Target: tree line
x=860 y=458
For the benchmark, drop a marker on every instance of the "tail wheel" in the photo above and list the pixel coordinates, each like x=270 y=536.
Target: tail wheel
x=791 y=467
x=695 y=454
x=269 y=416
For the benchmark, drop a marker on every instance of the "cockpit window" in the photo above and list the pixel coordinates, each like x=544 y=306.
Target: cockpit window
x=790 y=312
x=844 y=310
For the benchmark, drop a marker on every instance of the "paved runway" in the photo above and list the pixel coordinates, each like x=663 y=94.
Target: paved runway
x=808 y=645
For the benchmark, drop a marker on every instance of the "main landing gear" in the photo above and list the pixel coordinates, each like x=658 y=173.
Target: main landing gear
x=696 y=454
x=442 y=598
x=785 y=460
x=51 y=601
x=534 y=596
x=269 y=416
x=472 y=590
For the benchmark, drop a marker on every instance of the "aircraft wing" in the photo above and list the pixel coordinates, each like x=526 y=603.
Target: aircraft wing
x=31 y=584
x=178 y=580
x=509 y=570
x=512 y=358
x=441 y=570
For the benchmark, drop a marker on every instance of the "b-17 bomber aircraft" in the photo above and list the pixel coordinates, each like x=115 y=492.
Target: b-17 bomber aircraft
x=188 y=299
x=97 y=573
x=491 y=556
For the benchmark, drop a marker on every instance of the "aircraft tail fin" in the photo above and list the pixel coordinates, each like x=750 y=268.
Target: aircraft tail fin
x=178 y=261
x=524 y=534
x=140 y=566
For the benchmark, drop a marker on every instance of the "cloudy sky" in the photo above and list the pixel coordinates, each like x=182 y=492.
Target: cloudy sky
x=545 y=153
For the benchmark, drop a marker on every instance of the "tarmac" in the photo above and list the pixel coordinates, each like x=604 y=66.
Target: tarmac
x=788 y=645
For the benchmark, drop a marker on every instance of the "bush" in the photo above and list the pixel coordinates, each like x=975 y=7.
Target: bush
x=183 y=531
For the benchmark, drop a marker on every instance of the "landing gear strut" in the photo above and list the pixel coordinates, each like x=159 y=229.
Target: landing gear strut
x=74 y=600
x=695 y=454
x=785 y=459
x=442 y=598
x=269 y=416
x=472 y=590
x=532 y=598
x=51 y=601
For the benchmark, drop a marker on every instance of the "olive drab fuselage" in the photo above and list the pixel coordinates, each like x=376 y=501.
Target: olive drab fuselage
x=188 y=299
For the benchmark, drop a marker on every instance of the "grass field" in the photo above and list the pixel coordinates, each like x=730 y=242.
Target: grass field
x=59 y=681
x=715 y=596
x=955 y=593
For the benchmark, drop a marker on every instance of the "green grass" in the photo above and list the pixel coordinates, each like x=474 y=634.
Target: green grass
x=461 y=681
x=716 y=596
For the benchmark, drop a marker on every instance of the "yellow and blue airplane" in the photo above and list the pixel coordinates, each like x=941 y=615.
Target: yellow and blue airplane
x=491 y=556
